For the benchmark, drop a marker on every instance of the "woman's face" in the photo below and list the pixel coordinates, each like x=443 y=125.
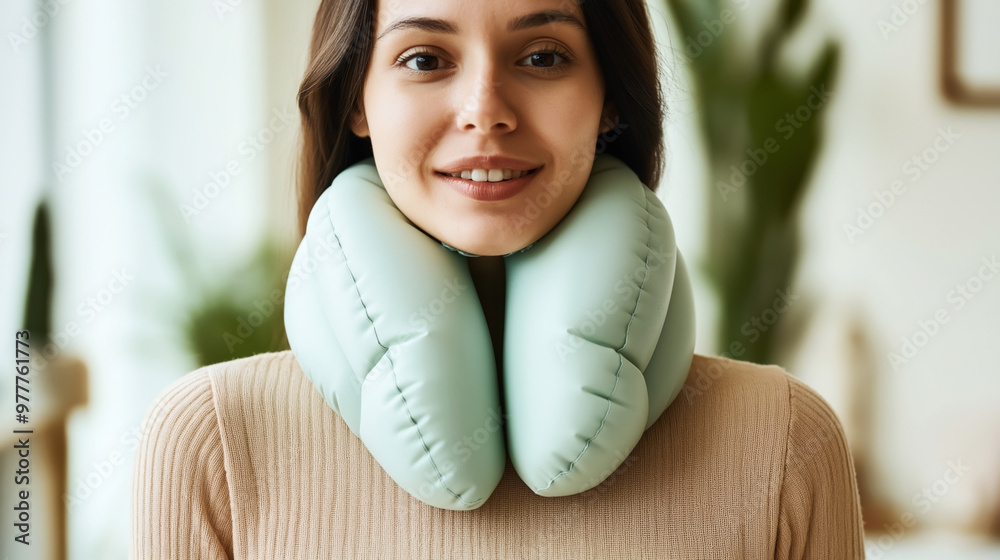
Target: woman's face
x=456 y=79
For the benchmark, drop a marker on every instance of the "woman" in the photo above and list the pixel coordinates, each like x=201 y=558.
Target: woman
x=246 y=460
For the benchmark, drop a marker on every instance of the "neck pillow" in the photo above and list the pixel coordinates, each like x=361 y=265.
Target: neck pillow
x=598 y=338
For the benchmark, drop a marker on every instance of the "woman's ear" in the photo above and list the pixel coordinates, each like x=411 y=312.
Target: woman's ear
x=359 y=123
x=609 y=116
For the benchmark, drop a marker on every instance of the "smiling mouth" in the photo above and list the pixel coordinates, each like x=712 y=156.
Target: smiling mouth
x=458 y=176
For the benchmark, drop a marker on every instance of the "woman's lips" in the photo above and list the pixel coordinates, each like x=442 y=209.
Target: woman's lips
x=487 y=191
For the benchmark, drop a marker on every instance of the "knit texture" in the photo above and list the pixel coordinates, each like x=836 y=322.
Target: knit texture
x=244 y=460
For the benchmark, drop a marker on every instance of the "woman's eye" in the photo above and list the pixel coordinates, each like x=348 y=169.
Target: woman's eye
x=423 y=62
x=545 y=60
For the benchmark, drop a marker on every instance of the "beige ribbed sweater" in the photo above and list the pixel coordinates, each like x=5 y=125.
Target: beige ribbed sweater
x=244 y=459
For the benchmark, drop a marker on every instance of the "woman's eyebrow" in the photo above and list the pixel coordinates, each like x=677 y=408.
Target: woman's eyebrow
x=528 y=21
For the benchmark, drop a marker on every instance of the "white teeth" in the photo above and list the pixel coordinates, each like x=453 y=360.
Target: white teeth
x=488 y=175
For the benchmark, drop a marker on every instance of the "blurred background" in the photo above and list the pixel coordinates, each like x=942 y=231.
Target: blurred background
x=831 y=176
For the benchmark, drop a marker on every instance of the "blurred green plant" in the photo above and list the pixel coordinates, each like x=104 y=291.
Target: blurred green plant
x=38 y=301
x=762 y=124
x=225 y=315
x=243 y=314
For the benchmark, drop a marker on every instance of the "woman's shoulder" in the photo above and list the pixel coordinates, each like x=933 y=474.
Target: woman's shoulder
x=720 y=393
x=756 y=439
x=726 y=398
x=730 y=408
x=721 y=378
x=717 y=384
x=179 y=471
x=230 y=391
x=199 y=388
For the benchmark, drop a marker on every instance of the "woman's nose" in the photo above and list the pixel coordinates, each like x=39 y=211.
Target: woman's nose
x=483 y=103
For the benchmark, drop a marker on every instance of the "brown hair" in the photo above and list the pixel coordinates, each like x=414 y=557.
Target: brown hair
x=341 y=47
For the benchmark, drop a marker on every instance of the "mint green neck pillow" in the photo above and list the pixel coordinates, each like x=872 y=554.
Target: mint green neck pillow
x=598 y=338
